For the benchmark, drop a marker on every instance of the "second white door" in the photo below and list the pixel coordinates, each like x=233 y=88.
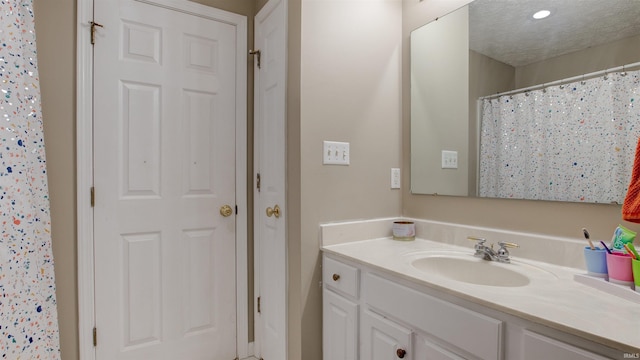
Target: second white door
x=270 y=205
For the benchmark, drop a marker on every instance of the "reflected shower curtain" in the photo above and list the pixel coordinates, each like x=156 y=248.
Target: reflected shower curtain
x=573 y=142
x=28 y=316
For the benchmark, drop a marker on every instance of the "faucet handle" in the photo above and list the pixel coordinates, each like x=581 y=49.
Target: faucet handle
x=480 y=241
x=479 y=246
x=503 y=253
x=504 y=244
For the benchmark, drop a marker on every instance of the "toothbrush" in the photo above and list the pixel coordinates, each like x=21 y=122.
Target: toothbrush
x=586 y=236
x=633 y=249
x=605 y=247
x=633 y=256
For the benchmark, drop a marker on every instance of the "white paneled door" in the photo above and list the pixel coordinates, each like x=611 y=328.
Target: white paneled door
x=269 y=199
x=164 y=174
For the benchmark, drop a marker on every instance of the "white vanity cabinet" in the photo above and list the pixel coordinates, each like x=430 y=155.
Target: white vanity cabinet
x=367 y=316
x=370 y=314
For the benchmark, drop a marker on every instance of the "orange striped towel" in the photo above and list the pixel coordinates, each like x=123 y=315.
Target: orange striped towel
x=631 y=205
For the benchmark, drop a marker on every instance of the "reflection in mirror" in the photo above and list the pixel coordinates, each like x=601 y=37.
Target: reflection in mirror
x=572 y=146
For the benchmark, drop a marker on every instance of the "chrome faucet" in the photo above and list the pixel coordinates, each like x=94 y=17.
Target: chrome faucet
x=487 y=252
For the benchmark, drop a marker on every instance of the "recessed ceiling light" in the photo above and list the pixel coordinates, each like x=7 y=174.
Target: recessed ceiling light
x=541 y=14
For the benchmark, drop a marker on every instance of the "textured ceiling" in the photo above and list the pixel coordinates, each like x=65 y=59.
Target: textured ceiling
x=505 y=30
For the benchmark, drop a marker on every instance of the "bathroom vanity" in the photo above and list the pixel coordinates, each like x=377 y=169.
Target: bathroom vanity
x=387 y=299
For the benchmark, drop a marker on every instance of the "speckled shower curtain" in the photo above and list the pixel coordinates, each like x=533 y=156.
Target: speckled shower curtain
x=28 y=315
x=573 y=142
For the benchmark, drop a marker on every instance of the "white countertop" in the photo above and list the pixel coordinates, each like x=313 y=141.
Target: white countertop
x=553 y=298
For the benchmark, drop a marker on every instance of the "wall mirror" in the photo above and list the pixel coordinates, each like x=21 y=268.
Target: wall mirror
x=507 y=106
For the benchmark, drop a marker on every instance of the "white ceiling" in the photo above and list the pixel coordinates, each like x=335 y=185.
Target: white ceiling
x=505 y=30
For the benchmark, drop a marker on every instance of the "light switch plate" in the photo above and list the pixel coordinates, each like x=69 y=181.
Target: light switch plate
x=449 y=159
x=335 y=153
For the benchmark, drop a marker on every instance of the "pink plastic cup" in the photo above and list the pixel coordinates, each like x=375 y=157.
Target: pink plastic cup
x=619 y=267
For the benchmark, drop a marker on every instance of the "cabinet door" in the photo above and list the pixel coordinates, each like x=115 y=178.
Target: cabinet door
x=427 y=350
x=383 y=339
x=339 y=327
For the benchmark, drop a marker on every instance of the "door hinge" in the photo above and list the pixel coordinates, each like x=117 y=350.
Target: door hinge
x=93 y=196
x=93 y=31
x=257 y=54
x=258 y=304
x=95 y=337
x=258 y=182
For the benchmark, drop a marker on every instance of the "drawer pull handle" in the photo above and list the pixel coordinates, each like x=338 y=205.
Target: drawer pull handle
x=336 y=277
x=401 y=353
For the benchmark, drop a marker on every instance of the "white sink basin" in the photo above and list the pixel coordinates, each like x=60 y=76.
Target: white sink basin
x=469 y=269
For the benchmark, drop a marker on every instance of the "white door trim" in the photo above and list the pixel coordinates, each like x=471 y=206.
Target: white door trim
x=84 y=148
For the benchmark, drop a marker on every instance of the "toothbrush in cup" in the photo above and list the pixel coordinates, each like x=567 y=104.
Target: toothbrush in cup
x=634 y=255
x=586 y=236
x=605 y=247
x=633 y=250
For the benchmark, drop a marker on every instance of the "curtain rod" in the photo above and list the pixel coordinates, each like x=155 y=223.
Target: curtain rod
x=563 y=81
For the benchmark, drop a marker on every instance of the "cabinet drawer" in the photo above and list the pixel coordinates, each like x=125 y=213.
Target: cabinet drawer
x=340 y=277
x=475 y=333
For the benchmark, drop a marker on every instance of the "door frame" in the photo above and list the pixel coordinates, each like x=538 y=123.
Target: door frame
x=84 y=168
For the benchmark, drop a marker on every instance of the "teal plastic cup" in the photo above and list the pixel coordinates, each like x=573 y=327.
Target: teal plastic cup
x=596 y=261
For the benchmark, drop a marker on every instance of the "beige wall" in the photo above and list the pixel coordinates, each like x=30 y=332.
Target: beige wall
x=55 y=37
x=350 y=91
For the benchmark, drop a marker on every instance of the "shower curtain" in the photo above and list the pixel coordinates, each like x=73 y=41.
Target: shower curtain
x=572 y=142
x=28 y=317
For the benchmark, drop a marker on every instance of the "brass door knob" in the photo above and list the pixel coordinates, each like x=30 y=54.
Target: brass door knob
x=226 y=210
x=401 y=353
x=273 y=212
x=336 y=277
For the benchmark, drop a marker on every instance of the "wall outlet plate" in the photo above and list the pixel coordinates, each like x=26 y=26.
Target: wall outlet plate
x=335 y=153
x=395 y=178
